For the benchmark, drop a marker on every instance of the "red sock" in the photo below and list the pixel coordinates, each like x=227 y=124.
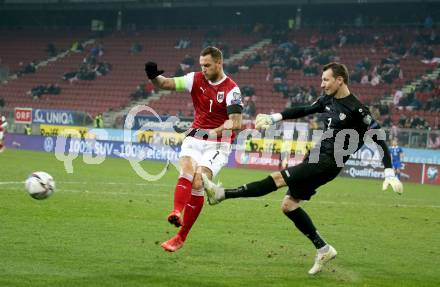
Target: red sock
x=192 y=211
x=182 y=193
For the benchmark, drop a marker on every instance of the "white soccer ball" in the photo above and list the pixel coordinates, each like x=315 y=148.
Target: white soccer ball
x=40 y=185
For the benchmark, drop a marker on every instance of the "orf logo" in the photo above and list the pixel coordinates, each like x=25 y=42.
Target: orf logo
x=23 y=115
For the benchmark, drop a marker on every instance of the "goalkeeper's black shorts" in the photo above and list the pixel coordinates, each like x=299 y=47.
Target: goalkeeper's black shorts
x=303 y=179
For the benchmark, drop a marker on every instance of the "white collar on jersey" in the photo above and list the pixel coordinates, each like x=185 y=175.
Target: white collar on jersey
x=218 y=82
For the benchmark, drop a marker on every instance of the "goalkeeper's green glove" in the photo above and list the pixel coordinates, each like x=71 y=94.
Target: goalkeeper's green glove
x=263 y=121
x=151 y=70
x=391 y=179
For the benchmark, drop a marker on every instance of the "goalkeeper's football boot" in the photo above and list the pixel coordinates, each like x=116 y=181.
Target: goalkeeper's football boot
x=214 y=192
x=321 y=259
x=175 y=218
x=173 y=244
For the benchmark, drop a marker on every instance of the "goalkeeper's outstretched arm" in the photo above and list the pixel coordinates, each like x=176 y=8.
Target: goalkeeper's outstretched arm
x=300 y=111
x=263 y=121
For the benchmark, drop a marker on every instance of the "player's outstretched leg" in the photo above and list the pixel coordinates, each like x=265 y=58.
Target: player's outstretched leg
x=173 y=244
x=192 y=212
x=182 y=195
x=215 y=193
x=303 y=222
x=322 y=257
x=190 y=215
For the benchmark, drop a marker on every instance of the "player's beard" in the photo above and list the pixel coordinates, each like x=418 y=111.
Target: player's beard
x=324 y=93
x=334 y=93
x=214 y=77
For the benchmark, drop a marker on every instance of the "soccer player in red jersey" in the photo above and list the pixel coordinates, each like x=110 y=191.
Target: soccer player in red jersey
x=206 y=148
x=3 y=125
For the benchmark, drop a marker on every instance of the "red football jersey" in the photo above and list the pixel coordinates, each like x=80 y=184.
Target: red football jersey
x=212 y=101
x=3 y=124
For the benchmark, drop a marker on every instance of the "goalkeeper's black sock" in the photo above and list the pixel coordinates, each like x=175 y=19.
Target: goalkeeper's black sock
x=305 y=225
x=253 y=189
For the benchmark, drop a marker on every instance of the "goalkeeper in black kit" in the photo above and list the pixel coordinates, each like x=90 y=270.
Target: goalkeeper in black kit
x=347 y=124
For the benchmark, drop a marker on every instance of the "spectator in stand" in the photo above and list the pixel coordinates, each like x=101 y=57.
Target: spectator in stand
x=37 y=92
x=279 y=73
x=313 y=93
x=99 y=121
x=428 y=23
x=375 y=79
x=402 y=121
x=428 y=53
x=188 y=60
x=356 y=76
x=28 y=130
x=394 y=131
x=53 y=89
x=76 y=47
x=69 y=75
x=397 y=96
x=28 y=69
x=136 y=48
x=342 y=38
x=94 y=52
x=179 y=71
x=281 y=86
x=365 y=63
x=248 y=91
x=86 y=73
x=375 y=112
x=365 y=79
x=386 y=123
x=249 y=108
x=311 y=70
x=51 y=50
x=141 y=92
x=40 y=90
x=103 y=68
x=4 y=72
x=149 y=88
x=252 y=60
x=183 y=43
x=231 y=68
x=434 y=141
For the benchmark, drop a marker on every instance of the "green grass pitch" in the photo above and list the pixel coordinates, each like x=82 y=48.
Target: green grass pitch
x=104 y=226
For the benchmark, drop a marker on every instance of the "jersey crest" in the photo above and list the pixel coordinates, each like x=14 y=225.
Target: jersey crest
x=342 y=116
x=220 y=97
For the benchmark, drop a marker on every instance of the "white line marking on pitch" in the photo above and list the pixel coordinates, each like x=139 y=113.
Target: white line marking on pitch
x=325 y=202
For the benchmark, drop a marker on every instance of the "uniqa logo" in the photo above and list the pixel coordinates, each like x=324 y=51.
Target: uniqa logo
x=53 y=117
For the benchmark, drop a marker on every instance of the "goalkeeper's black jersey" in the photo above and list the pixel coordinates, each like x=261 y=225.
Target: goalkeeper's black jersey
x=348 y=115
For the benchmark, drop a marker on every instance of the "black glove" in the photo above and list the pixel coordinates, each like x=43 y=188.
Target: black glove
x=151 y=70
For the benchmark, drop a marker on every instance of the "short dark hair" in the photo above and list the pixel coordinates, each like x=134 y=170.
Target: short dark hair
x=215 y=53
x=339 y=70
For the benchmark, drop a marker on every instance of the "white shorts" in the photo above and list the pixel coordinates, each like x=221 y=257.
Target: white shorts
x=1 y=135
x=213 y=155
